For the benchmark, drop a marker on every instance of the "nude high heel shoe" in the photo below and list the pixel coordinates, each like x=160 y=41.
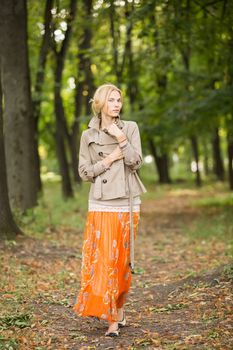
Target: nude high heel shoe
x=122 y=323
x=114 y=333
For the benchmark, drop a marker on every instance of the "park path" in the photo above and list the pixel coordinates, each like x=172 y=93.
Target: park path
x=179 y=298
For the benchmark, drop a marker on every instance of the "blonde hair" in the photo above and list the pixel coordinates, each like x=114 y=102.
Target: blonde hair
x=100 y=97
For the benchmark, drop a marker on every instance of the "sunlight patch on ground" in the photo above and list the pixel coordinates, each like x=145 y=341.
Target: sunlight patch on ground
x=184 y=192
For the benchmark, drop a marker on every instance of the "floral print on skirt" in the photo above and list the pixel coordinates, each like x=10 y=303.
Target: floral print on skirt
x=105 y=271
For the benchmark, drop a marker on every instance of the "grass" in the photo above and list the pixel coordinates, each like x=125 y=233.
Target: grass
x=8 y=344
x=53 y=212
x=228 y=272
x=18 y=320
x=215 y=220
x=168 y=308
x=224 y=200
x=218 y=224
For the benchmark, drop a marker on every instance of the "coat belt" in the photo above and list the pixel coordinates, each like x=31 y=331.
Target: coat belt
x=131 y=264
x=97 y=188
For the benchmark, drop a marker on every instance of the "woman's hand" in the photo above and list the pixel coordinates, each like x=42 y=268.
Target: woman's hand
x=113 y=130
x=112 y=157
x=116 y=154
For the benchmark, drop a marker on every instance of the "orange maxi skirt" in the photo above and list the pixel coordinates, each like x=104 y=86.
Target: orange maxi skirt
x=105 y=271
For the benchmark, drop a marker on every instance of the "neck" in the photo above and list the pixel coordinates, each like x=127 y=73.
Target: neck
x=106 y=120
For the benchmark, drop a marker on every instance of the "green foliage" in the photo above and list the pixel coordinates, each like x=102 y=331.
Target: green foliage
x=8 y=344
x=179 y=70
x=18 y=320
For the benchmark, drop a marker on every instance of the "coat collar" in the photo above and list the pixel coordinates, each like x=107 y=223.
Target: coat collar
x=95 y=123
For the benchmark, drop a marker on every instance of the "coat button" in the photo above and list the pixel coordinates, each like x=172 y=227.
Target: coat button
x=104 y=181
x=101 y=154
x=85 y=172
x=138 y=162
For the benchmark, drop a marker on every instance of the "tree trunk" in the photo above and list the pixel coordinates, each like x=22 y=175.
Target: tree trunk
x=218 y=167
x=89 y=79
x=206 y=158
x=45 y=45
x=84 y=81
x=118 y=67
x=76 y=126
x=60 y=143
x=63 y=163
x=165 y=169
x=115 y=51
x=8 y=227
x=230 y=158
x=132 y=84
x=196 y=157
x=18 y=114
x=182 y=14
x=62 y=133
x=161 y=164
x=161 y=86
x=229 y=121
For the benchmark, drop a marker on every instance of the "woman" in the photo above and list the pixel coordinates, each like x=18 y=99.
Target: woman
x=110 y=154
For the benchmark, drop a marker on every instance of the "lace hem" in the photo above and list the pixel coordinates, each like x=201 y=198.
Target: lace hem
x=106 y=208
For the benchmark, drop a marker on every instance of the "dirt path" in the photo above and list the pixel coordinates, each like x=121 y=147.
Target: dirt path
x=179 y=299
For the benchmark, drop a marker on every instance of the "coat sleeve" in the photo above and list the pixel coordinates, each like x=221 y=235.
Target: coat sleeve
x=87 y=170
x=132 y=151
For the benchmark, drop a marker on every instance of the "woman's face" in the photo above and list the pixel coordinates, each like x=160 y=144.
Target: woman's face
x=113 y=104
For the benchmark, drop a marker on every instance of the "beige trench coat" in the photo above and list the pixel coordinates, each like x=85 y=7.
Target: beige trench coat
x=113 y=182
